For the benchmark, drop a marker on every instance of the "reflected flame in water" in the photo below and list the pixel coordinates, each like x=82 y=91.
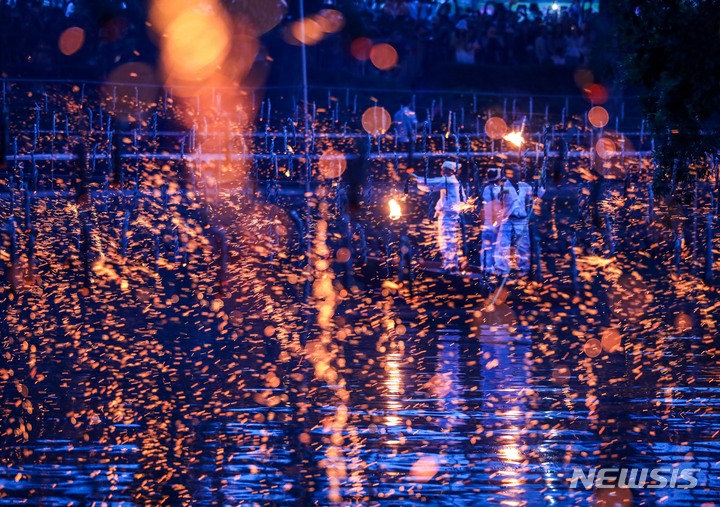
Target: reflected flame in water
x=394 y=378
x=510 y=453
x=424 y=469
x=394 y=386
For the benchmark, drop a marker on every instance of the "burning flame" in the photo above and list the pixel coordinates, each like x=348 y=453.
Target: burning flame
x=395 y=211
x=469 y=205
x=515 y=138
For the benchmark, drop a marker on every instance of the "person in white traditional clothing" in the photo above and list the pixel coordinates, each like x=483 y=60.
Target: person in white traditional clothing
x=492 y=218
x=516 y=199
x=447 y=211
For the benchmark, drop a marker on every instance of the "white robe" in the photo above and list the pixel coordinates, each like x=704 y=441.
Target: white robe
x=513 y=230
x=447 y=212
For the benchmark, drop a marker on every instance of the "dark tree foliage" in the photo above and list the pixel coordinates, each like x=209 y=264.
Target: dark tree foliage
x=671 y=49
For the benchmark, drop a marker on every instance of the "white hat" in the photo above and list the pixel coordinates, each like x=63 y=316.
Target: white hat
x=453 y=166
x=462 y=25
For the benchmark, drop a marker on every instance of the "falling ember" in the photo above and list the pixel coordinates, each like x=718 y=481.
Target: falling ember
x=360 y=48
x=343 y=255
x=332 y=164
x=71 y=40
x=330 y=20
x=561 y=375
x=584 y=78
x=596 y=94
x=496 y=128
x=515 y=138
x=611 y=340
x=164 y=12
x=599 y=117
x=424 y=469
x=593 y=347
x=395 y=210
x=307 y=31
x=384 y=56
x=683 y=322
x=376 y=120
x=605 y=148
x=195 y=44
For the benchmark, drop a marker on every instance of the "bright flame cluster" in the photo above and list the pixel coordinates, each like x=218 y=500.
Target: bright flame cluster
x=201 y=45
x=515 y=138
x=194 y=37
x=395 y=210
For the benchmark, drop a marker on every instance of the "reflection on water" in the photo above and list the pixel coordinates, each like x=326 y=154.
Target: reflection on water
x=496 y=414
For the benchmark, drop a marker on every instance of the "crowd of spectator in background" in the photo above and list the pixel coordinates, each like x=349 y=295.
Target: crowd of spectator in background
x=493 y=34
x=31 y=29
x=425 y=33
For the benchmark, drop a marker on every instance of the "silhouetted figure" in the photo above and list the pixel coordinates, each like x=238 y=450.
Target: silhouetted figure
x=82 y=178
x=116 y=160
x=355 y=174
x=558 y=221
x=4 y=137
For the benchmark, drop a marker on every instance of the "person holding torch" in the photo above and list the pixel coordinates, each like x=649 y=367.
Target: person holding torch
x=447 y=212
x=516 y=198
